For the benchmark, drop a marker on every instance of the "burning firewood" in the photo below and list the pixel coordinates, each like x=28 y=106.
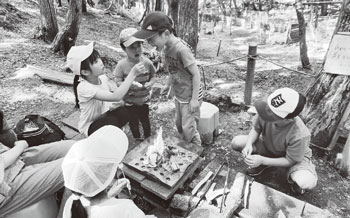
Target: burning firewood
x=159 y=154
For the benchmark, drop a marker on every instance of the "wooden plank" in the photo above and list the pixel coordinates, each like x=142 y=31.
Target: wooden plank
x=69 y=132
x=52 y=75
x=163 y=191
x=213 y=166
x=72 y=121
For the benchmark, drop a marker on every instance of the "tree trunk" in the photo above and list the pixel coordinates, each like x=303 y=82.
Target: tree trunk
x=187 y=28
x=49 y=26
x=324 y=8
x=302 y=36
x=83 y=6
x=329 y=96
x=173 y=11
x=201 y=16
x=158 y=6
x=66 y=38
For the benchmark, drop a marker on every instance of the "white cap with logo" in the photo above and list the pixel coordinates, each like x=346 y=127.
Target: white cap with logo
x=285 y=103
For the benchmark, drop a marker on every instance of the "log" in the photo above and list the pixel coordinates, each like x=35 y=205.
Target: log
x=345 y=160
x=183 y=202
x=52 y=75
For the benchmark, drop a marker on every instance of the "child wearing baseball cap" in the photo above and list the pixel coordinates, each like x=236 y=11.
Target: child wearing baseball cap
x=138 y=97
x=279 y=138
x=184 y=79
x=88 y=171
x=92 y=90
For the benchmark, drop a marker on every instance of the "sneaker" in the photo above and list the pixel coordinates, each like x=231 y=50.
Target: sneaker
x=296 y=189
x=256 y=171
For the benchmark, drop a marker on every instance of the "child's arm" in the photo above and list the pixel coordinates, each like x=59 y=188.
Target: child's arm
x=120 y=92
x=10 y=156
x=194 y=104
x=118 y=72
x=152 y=72
x=165 y=89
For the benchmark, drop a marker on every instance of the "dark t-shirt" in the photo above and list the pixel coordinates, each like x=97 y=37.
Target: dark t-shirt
x=291 y=140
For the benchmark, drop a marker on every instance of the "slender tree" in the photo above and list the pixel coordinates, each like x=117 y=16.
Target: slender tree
x=83 y=6
x=158 y=6
x=66 y=38
x=173 y=11
x=302 y=37
x=329 y=96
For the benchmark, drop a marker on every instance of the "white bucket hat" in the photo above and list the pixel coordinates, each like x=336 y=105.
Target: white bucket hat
x=126 y=37
x=77 y=54
x=90 y=165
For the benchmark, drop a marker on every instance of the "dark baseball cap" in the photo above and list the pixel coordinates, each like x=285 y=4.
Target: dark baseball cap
x=153 y=22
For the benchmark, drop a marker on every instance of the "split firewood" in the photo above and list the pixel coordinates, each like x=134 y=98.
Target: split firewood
x=183 y=202
x=234 y=198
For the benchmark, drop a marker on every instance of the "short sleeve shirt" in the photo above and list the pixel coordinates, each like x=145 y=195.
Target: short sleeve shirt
x=90 y=108
x=178 y=58
x=121 y=208
x=291 y=140
x=135 y=95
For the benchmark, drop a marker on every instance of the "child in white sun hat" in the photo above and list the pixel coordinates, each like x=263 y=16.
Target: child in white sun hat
x=92 y=90
x=88 y=171
x=279 y=138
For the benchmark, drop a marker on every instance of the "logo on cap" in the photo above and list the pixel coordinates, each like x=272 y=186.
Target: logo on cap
x=277 y=101
x=149 y=27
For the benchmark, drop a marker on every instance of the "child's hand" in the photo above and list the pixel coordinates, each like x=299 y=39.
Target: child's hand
x=253 y=160
x=137 y=84
x=194 y=105
x=165 y=90
x=247 y=150
x=22 y=144
x=118 y=186
x=148 y=85
x=138 y=69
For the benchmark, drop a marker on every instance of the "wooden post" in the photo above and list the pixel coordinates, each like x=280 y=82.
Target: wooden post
x=339 y=128
x=217 y=53
x=345 y=162
x=252 y=53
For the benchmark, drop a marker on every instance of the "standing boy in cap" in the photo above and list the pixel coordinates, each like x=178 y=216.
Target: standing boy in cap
x=279 y=138
x=92 y=90
x=184 y=79
x=138 y=97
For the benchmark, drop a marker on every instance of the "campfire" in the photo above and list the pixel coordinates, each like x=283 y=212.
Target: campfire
x=161 y=155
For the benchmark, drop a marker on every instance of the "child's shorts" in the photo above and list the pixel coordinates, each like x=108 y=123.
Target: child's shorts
x=305 y=164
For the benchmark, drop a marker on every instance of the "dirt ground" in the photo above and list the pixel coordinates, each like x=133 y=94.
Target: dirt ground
x=30 y=94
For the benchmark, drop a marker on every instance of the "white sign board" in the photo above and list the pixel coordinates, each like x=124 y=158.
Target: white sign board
x=338 y=55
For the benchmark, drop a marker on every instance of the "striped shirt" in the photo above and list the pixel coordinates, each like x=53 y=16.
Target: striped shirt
x=136 y=95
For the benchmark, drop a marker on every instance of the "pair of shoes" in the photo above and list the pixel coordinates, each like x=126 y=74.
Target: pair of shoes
x=256 y=171
x=296 y=189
